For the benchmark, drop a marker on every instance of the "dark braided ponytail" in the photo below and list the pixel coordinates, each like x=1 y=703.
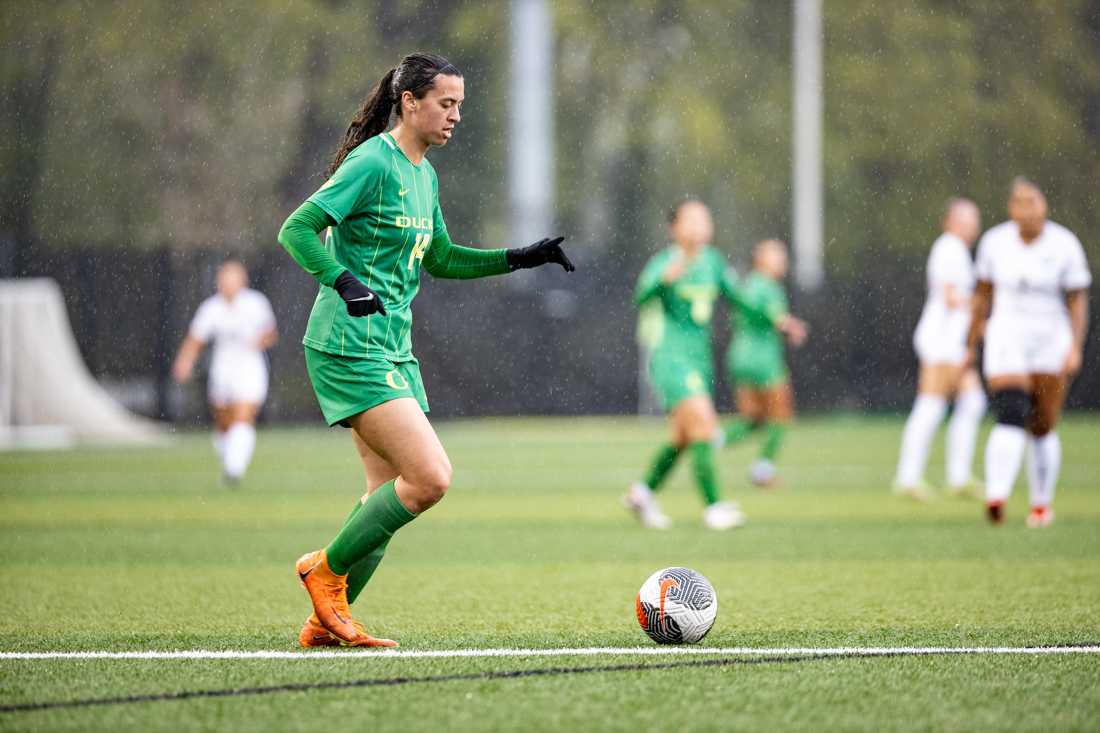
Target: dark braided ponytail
x=416 y=73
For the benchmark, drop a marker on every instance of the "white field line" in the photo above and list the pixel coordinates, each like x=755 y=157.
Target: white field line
x=656 y=651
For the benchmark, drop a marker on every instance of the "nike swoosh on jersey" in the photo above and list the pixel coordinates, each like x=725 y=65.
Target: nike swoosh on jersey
x=402 y=192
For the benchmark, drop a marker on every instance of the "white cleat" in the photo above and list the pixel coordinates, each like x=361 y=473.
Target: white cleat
x=762 y=473
x=971 y=489
x=723 y=515
x=1039 y=517
x=640 y=500
x=921 y=492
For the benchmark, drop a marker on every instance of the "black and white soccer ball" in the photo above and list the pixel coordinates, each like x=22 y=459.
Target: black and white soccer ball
x=676 y=606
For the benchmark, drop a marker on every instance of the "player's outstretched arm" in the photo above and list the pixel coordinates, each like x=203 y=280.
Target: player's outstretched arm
x=448 y=260
x=542 y=252
x=299 y=237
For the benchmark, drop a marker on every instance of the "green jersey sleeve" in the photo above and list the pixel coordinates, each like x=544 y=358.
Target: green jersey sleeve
x=762 y=300
x=299 y=237
x=345 y=193
x=649 y=282
x=728 y=285
x=446 y=259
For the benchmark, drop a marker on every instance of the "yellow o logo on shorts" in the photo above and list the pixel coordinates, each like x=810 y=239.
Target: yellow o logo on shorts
x=395 y=380
x=694 y=382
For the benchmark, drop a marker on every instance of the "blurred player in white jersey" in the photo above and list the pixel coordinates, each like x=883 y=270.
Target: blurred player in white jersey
x=1034 y=273
x=940 y=343
x=241 y=325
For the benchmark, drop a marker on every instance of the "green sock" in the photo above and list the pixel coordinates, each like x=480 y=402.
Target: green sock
x=662 y=464
x=738 y=429
x=773 y=438
x=361 y=572
x=702 y=454
x=368 y=528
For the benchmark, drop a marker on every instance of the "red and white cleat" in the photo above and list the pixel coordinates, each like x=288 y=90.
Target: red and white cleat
x=1040 y=516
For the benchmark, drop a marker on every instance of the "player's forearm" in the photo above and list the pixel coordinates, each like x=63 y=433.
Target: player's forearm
x=269 y=339
x=299 y=237
x=186 y=358
x=761 y=312
x=189 y=350
x=1078 y=302
x=649 y=286
x=979 y=312
x=448 y=260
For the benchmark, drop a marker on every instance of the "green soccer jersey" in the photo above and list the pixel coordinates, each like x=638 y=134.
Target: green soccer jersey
x=677 y=316
x=757 y=344
x=388 y=222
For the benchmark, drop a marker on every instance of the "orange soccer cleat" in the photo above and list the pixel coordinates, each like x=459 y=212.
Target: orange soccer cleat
x=313 y=634
x=329 y=594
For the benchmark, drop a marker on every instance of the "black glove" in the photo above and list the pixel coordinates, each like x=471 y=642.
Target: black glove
x=542 y=252
x=361 y=300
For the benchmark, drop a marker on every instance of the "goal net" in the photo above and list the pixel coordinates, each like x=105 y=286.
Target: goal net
x=48 y=398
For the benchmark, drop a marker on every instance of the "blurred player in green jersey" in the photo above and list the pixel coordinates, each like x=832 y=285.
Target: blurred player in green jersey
x=380 y=205
x=755 y=360
x=678 y=288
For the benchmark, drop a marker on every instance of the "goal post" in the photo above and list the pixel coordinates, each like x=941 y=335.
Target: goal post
x=48 y=398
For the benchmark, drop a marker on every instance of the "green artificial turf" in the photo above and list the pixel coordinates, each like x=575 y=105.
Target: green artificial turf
x=142 y=549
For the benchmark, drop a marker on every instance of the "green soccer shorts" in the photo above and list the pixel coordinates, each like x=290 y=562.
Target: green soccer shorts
x=756 y=368
x=348 y=385
x=675 y=379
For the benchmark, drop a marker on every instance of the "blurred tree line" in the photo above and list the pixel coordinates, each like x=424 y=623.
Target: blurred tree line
x=196 y=127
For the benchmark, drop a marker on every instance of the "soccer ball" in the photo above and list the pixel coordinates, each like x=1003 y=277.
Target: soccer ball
x=676 y=606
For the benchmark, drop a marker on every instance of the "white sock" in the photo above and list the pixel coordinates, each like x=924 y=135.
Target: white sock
x=928 y=411
x=640 y=494
x=962 y=434
x=1044 y=458
x=1003 y=455
x=219 y=444
x=240 y=440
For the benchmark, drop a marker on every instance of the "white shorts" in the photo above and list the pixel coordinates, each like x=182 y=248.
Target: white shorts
x=940 y=337
x=240 y=382
x=1026 y=348
x=931 y=350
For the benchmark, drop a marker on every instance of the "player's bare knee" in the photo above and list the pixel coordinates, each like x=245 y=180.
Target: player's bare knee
x=434 y=480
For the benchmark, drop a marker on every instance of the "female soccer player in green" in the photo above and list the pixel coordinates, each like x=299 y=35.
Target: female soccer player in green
x=381 y=207
x=681 y=284
x=755 y=360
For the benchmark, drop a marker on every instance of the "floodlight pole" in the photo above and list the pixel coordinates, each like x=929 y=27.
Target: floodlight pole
x=531 y=138
x=808 y=185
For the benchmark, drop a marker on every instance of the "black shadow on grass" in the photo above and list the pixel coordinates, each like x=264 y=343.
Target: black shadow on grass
x=468 y=677
x=399 y=681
